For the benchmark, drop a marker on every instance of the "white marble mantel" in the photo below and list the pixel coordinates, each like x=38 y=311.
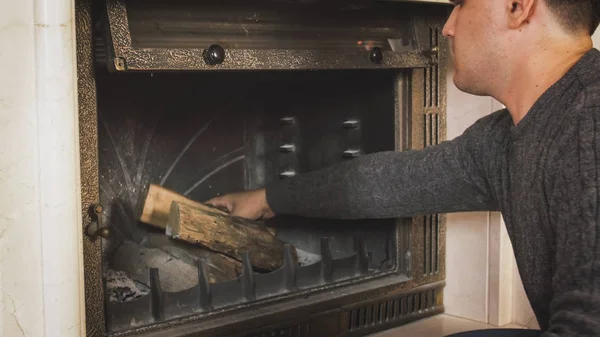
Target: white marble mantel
x=40 y=236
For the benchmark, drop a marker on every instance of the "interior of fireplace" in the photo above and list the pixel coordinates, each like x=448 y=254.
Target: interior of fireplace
x=208 y=133
x=203 y=98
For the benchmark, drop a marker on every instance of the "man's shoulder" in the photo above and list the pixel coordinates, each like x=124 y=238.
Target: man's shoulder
x=588 y=76
x=491 y=129
x=497 y=120
x=579 y=117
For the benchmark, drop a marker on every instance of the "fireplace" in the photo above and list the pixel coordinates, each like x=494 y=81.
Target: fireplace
x=206 y=98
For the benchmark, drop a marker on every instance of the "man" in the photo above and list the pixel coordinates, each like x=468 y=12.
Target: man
x=537 y=161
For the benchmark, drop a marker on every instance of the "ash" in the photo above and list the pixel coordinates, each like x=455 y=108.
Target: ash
x=121 y=288
x=307 y=258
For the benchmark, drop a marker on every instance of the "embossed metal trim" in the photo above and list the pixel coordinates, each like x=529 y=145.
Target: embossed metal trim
x=162 y=59
x=402 y=138
x=429 y=128
x=119 y=25
x=191 y=59
x=441 y=130
x=88 y=144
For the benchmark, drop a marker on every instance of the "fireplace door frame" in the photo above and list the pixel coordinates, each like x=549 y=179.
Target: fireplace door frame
x=353 y=310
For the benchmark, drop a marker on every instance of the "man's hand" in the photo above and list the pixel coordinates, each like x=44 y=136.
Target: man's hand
x=249 y=204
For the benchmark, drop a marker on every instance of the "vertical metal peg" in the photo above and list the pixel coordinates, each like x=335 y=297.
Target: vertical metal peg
x=326 y=260
x=362 y=262
x=248 y=284
x=287 y=148
x=351 y=124
x=204 y=290
x=158 y=303
x=352 y=153
x=289 y=267
x=287 y=174
x=287 y=121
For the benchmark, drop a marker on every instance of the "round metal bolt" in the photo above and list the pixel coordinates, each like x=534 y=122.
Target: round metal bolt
x=104 y=232
x=376 y=55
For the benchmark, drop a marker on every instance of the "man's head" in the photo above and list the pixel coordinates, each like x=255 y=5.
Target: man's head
x=491 y=39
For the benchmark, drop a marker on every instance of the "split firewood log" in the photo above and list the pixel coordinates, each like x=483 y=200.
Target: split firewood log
x=157 y=206
x=230 y=235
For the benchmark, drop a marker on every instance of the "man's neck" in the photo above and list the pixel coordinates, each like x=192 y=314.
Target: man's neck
x=536 y=73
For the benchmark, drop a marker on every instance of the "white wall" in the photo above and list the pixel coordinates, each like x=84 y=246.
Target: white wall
x=40 y=230
x=483 y=282
x=470 y=235
x=20 y=241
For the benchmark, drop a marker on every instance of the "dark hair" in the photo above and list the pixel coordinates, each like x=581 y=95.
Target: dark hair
x=575 y=15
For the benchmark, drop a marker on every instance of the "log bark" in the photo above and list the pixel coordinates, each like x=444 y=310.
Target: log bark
x=230 y=235
x=157 y=206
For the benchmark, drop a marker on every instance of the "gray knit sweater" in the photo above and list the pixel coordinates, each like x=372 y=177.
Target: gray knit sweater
x=543 y=175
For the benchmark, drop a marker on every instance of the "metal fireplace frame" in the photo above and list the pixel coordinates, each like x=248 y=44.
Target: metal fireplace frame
x=412 y=291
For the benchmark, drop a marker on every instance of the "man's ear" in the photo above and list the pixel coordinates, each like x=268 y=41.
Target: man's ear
x=519 y=12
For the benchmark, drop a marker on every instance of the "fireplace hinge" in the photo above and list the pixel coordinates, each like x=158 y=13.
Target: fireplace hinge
x=96 y=227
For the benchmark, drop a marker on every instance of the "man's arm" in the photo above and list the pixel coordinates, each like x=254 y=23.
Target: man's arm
x=575 y=305
x=445 y=178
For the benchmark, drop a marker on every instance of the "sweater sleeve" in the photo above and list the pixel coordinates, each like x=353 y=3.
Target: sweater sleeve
x=575 y=302
x=444 y=178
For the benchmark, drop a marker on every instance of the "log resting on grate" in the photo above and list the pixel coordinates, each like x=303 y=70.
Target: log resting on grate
x=213 y=228
x=232 y=236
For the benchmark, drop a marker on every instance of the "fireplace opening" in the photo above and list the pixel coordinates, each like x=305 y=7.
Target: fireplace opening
x=203 y=98
x=206 y=134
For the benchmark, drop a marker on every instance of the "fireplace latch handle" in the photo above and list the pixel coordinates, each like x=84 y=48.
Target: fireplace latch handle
x=96 y=228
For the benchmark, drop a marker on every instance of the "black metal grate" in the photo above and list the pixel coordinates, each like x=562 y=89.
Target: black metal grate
x=387 y=311
x=250 y=286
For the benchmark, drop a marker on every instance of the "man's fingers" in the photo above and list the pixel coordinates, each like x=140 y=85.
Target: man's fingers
x=220 y=203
